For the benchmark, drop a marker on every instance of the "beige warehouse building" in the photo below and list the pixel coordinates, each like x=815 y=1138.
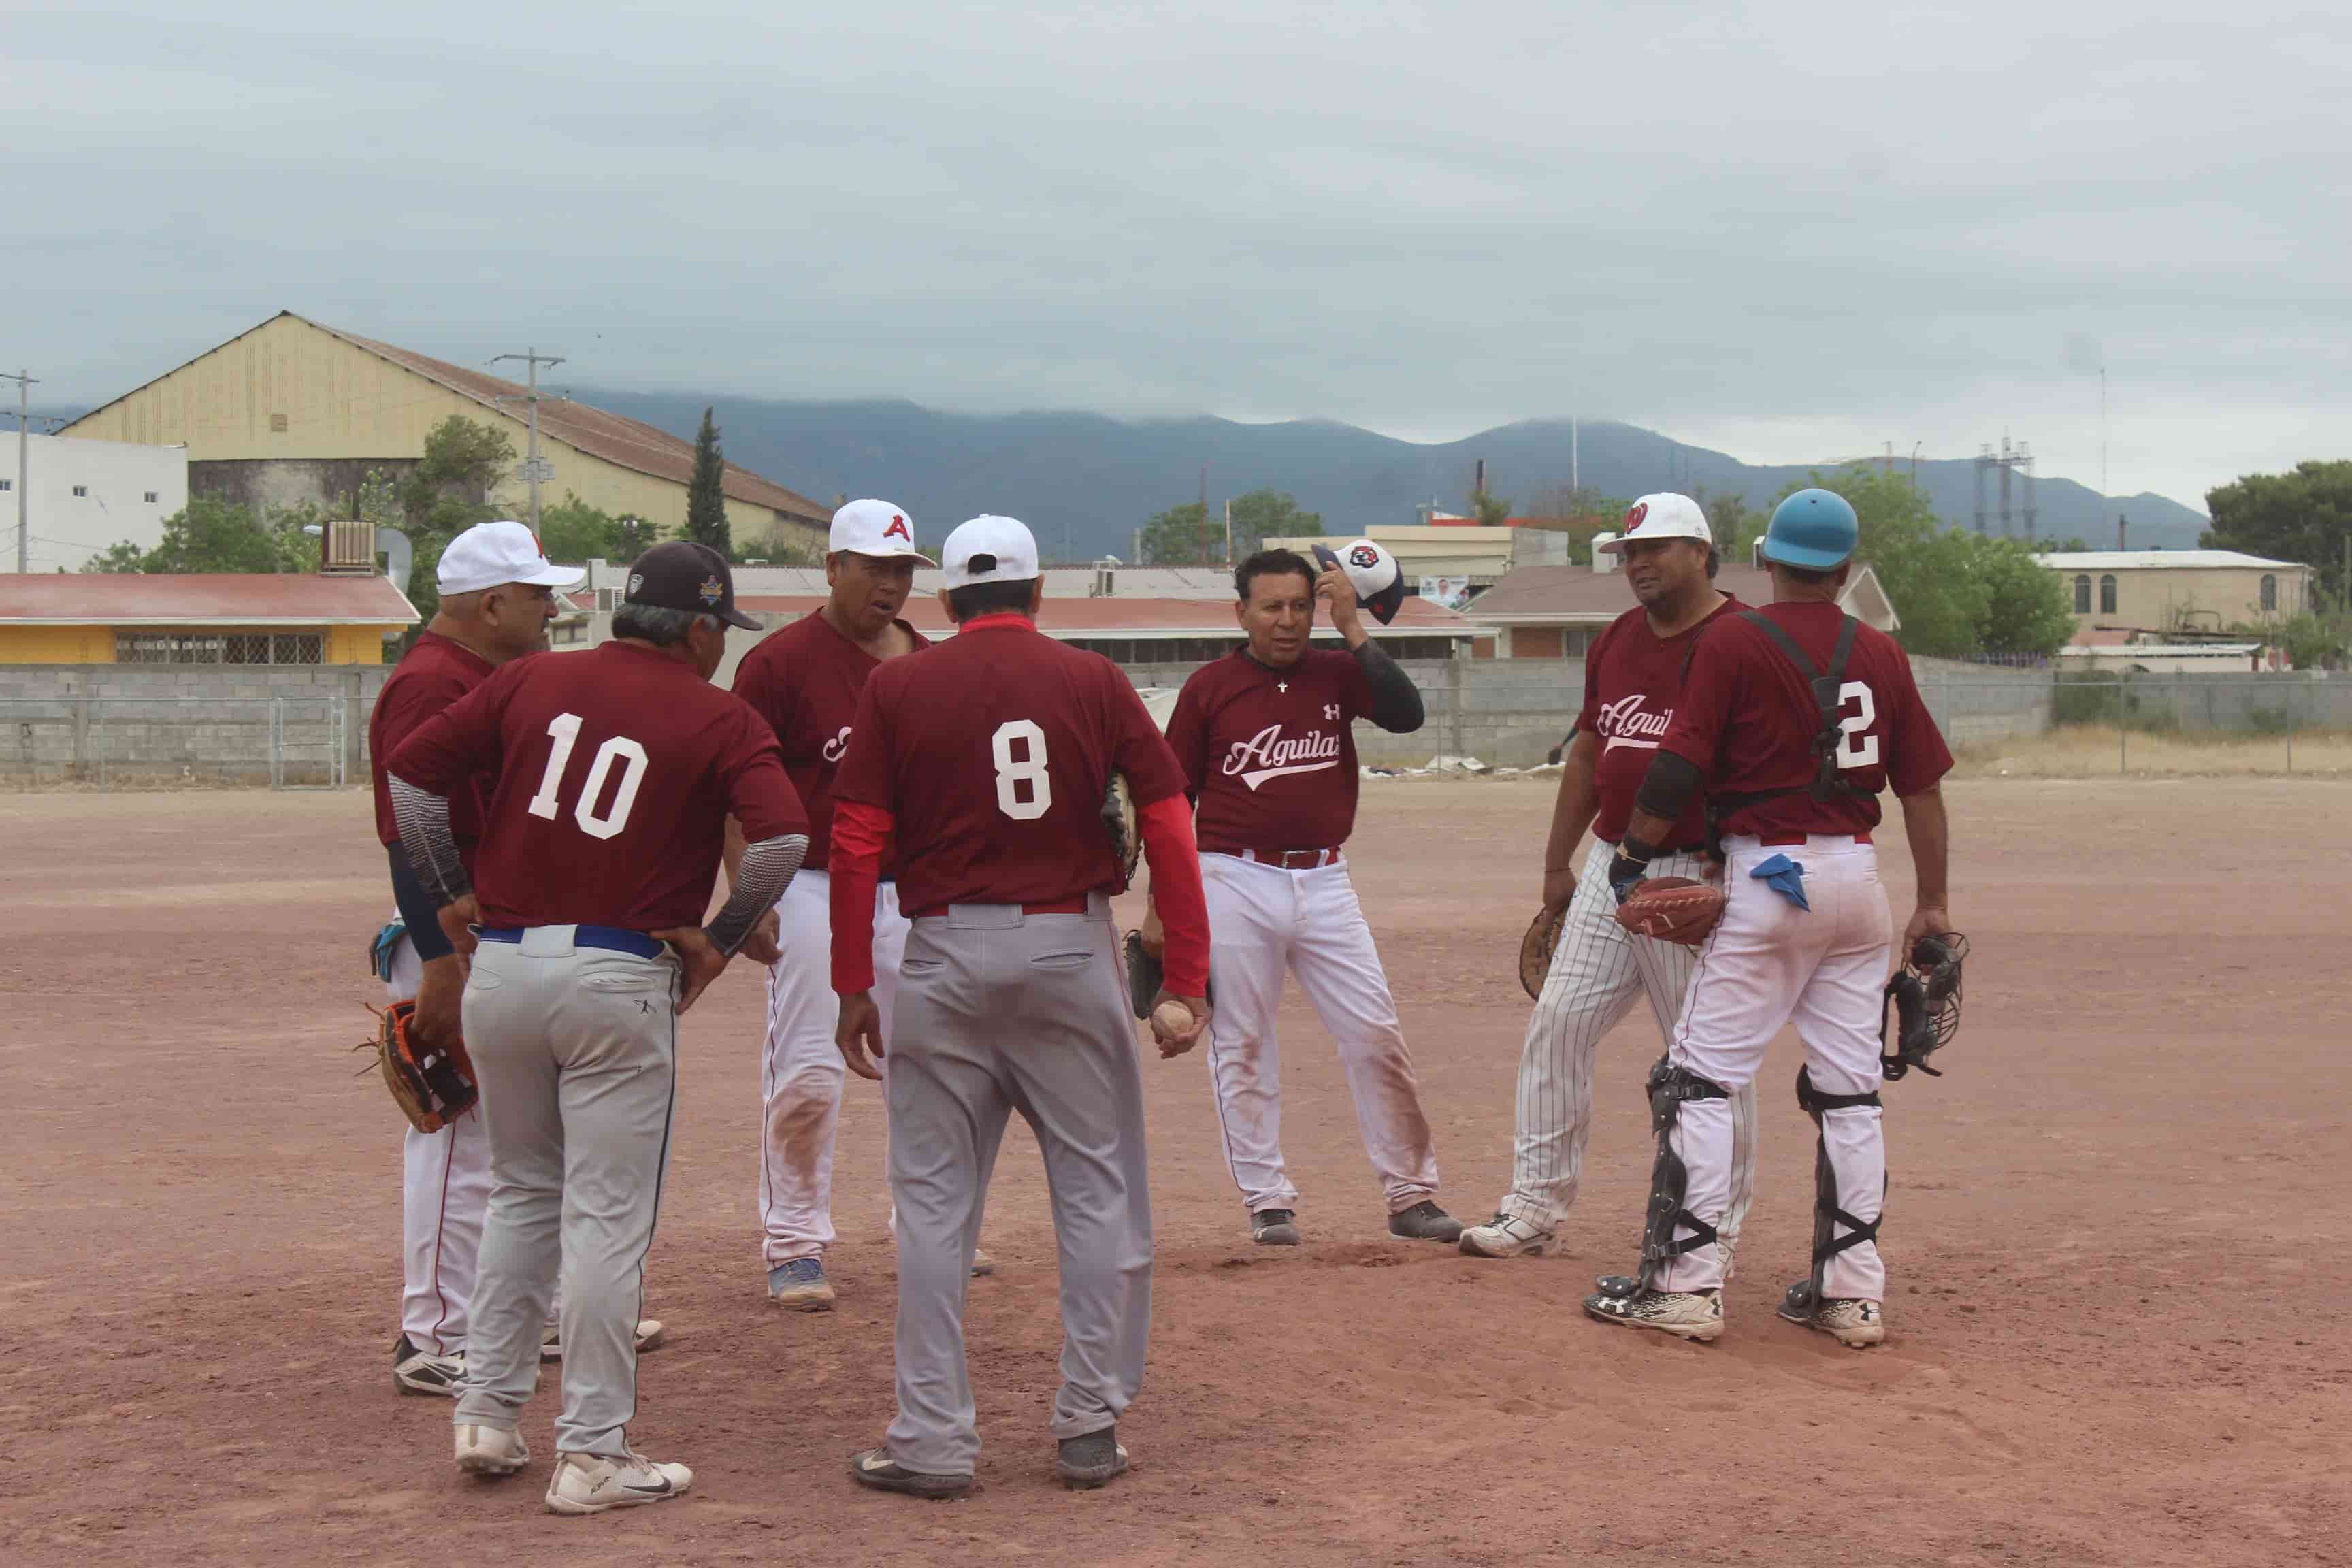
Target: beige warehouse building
x=294 y=411
x=2165 y=591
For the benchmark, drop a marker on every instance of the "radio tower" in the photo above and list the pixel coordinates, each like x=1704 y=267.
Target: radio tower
x=2017 y=459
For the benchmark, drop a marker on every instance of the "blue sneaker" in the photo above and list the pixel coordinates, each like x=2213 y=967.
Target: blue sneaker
x=800 y=1286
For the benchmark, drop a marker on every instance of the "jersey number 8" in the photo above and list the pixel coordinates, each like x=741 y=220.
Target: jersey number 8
x=1857 y=750
x=1030 y=769
x=564 y=730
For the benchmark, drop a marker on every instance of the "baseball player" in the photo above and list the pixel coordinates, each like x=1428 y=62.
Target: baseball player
x=805 y=680
x=616 y=771
x=1264 y=737
x=498 y=596
x=984 y=765
x=1791 y=721
x=1631 y=676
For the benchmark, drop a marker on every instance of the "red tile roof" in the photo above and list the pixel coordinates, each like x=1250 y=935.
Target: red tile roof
x=1119 y=617
x=627 y=442
x=106 y=598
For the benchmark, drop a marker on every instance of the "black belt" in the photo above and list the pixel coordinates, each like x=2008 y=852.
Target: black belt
x=611 y=938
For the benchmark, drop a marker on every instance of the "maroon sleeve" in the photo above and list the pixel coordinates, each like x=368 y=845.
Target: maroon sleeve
x=1920 y=756
x=759 y=795
x=755 y=681
x=1703 y=709
x=1188 y=736
x=1588 y=719
x=864 y=770
x=460 y=741
x=1138 y=748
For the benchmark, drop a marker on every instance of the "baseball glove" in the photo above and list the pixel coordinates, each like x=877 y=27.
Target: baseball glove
x=1672 y=909
x=1536 y=948
x=1146 y=975
x=431 y=1087
x=1119 y=821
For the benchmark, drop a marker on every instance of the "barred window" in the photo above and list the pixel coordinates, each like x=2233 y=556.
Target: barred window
x=2270 y=595
x=2083 y=594
x=2106 y=595
x=219 y=648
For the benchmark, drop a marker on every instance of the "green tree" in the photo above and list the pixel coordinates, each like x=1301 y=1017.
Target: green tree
x=1180 y=537
x=2303 y=516
x=576 y=530
x=448 y=491
x=1266 y=514
x=1492 y=511
x=1732 y=519
x=213 y=535
x=2025 y=606
x=706 y=495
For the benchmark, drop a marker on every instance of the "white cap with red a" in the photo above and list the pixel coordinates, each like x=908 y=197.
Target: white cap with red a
x=874 y=528
x=1663 y=516
x=491 y=554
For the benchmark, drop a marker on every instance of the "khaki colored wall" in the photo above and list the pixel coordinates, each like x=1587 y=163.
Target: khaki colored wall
x=2160 y=598
x=356 y=645
x=341 y=402
x=56 y=645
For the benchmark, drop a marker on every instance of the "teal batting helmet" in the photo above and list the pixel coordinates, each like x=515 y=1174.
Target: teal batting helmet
x=1814 y=530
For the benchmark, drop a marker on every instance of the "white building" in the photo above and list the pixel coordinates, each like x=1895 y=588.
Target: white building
x=80 y=497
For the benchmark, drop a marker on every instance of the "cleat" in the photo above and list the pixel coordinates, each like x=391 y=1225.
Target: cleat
x=1506 y=1236
x=875 y=1468
x=1424 y=1222
x=800 y=1286
x=1091 y=1460
x=419 y=1371
x=1855 y=1320
x=491 y=1450
x=596 y=1483
x=982 y=1265
x=1274 y=1227
x=649 y=1337
x=1695 y=1315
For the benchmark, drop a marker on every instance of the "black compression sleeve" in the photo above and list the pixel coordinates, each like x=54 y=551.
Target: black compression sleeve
x=1667 y=787
x=1396 y=701
x=416 y=907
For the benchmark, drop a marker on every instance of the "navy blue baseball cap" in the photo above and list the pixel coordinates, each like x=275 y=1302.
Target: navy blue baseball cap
x=680 y=574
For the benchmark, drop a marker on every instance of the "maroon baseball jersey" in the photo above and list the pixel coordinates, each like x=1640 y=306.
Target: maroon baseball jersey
x=805 y=680
x=993 y=752
x=431 y=675
x=1270 y=754
x=617 y=769
x=1747 y=721
x=1631 y=677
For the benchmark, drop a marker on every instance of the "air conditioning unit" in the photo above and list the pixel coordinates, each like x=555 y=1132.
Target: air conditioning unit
x=347 y=547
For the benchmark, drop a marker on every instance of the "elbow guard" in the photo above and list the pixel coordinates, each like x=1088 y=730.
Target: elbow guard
x=1667 y=787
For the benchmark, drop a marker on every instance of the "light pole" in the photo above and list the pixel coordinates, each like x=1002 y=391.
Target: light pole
x=25 y=385
x=533 y=470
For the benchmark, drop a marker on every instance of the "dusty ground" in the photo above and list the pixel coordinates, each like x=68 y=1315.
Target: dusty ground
x=2118 y=1235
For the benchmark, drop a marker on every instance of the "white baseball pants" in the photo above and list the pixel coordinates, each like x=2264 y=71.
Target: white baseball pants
x=1769 y=962
x=1597 y=971
x=445 y=1186
x=1263 y=921
x=801 y=1068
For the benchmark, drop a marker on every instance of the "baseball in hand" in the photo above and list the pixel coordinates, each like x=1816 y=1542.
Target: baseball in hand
x=1171 y=1018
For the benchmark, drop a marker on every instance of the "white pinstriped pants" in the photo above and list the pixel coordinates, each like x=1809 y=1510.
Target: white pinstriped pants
x=444 y=1187
x=1597 y=971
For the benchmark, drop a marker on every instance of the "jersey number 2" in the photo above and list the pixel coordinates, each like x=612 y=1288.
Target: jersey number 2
x=564 y=730
x=1030 y=769
x=1857 y=750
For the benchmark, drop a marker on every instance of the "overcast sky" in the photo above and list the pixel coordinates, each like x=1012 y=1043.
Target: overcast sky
x=1798 y=234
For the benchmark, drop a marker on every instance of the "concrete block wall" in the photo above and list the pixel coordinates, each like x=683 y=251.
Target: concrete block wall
x=209 y=723
x=1974 y=703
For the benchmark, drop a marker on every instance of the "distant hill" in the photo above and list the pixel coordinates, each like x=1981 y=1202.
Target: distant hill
x=1085 y=482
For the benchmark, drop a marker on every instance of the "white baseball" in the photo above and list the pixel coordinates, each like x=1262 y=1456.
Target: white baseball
x=1171 y=1018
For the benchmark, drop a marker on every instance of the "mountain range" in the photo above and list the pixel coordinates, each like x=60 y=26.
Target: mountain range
x=1084 y=483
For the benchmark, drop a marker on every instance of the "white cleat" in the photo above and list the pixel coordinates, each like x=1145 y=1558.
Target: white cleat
x=1853 y=1320
x=649 y=1335
x=1695 y=1315
x=491 y=1450
x=593 y=1483
x=1506 y=1236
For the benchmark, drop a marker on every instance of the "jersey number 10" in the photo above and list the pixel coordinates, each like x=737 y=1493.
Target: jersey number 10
x=564 y=730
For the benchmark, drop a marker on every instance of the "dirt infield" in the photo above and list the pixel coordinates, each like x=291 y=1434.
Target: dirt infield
x=2118 y=1235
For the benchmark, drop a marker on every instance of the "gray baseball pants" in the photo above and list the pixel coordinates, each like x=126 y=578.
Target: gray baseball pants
x=575 y=1052
x=1001 y=1012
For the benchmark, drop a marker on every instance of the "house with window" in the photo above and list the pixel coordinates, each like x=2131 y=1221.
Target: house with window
x=245 y=618
x=1555 y=611
x=2166 y=591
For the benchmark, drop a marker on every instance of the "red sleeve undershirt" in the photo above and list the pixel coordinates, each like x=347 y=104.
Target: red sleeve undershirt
x=1167 y=828
x=860 y=835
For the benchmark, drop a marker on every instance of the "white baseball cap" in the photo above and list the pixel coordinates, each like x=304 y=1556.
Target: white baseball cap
x=1662 y=516
x=874 y=528
x=490 y=554
x=989 y=550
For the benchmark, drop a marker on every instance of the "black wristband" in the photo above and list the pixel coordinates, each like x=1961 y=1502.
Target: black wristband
x=1628 y=866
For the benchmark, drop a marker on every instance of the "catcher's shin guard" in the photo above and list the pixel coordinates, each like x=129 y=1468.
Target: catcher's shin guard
x=1669 y=1087
x=1804 y=1298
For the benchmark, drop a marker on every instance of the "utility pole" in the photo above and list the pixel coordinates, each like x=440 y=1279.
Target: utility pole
x=1575 y=476
x=533 y=470
x=25 y=385
x=1229 y=531
x=1204 y=514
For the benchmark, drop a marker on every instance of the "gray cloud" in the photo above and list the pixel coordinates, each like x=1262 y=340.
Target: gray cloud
x=1800 y=232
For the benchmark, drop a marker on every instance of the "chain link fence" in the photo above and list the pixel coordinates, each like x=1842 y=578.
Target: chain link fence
x=285 y=741
x=2143 y=724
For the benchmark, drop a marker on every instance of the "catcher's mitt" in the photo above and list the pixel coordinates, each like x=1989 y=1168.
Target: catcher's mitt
x=1119 y=821
x=1536 y=948
x=431 y=1087
x=1925 y=992
x=1672 y=909
x=1146 y=975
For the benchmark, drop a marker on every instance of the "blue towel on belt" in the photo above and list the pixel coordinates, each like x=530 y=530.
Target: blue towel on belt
x=1784 y=877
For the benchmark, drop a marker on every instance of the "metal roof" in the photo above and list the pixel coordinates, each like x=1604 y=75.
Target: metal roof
x=2142 y=560
x=243 y=599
